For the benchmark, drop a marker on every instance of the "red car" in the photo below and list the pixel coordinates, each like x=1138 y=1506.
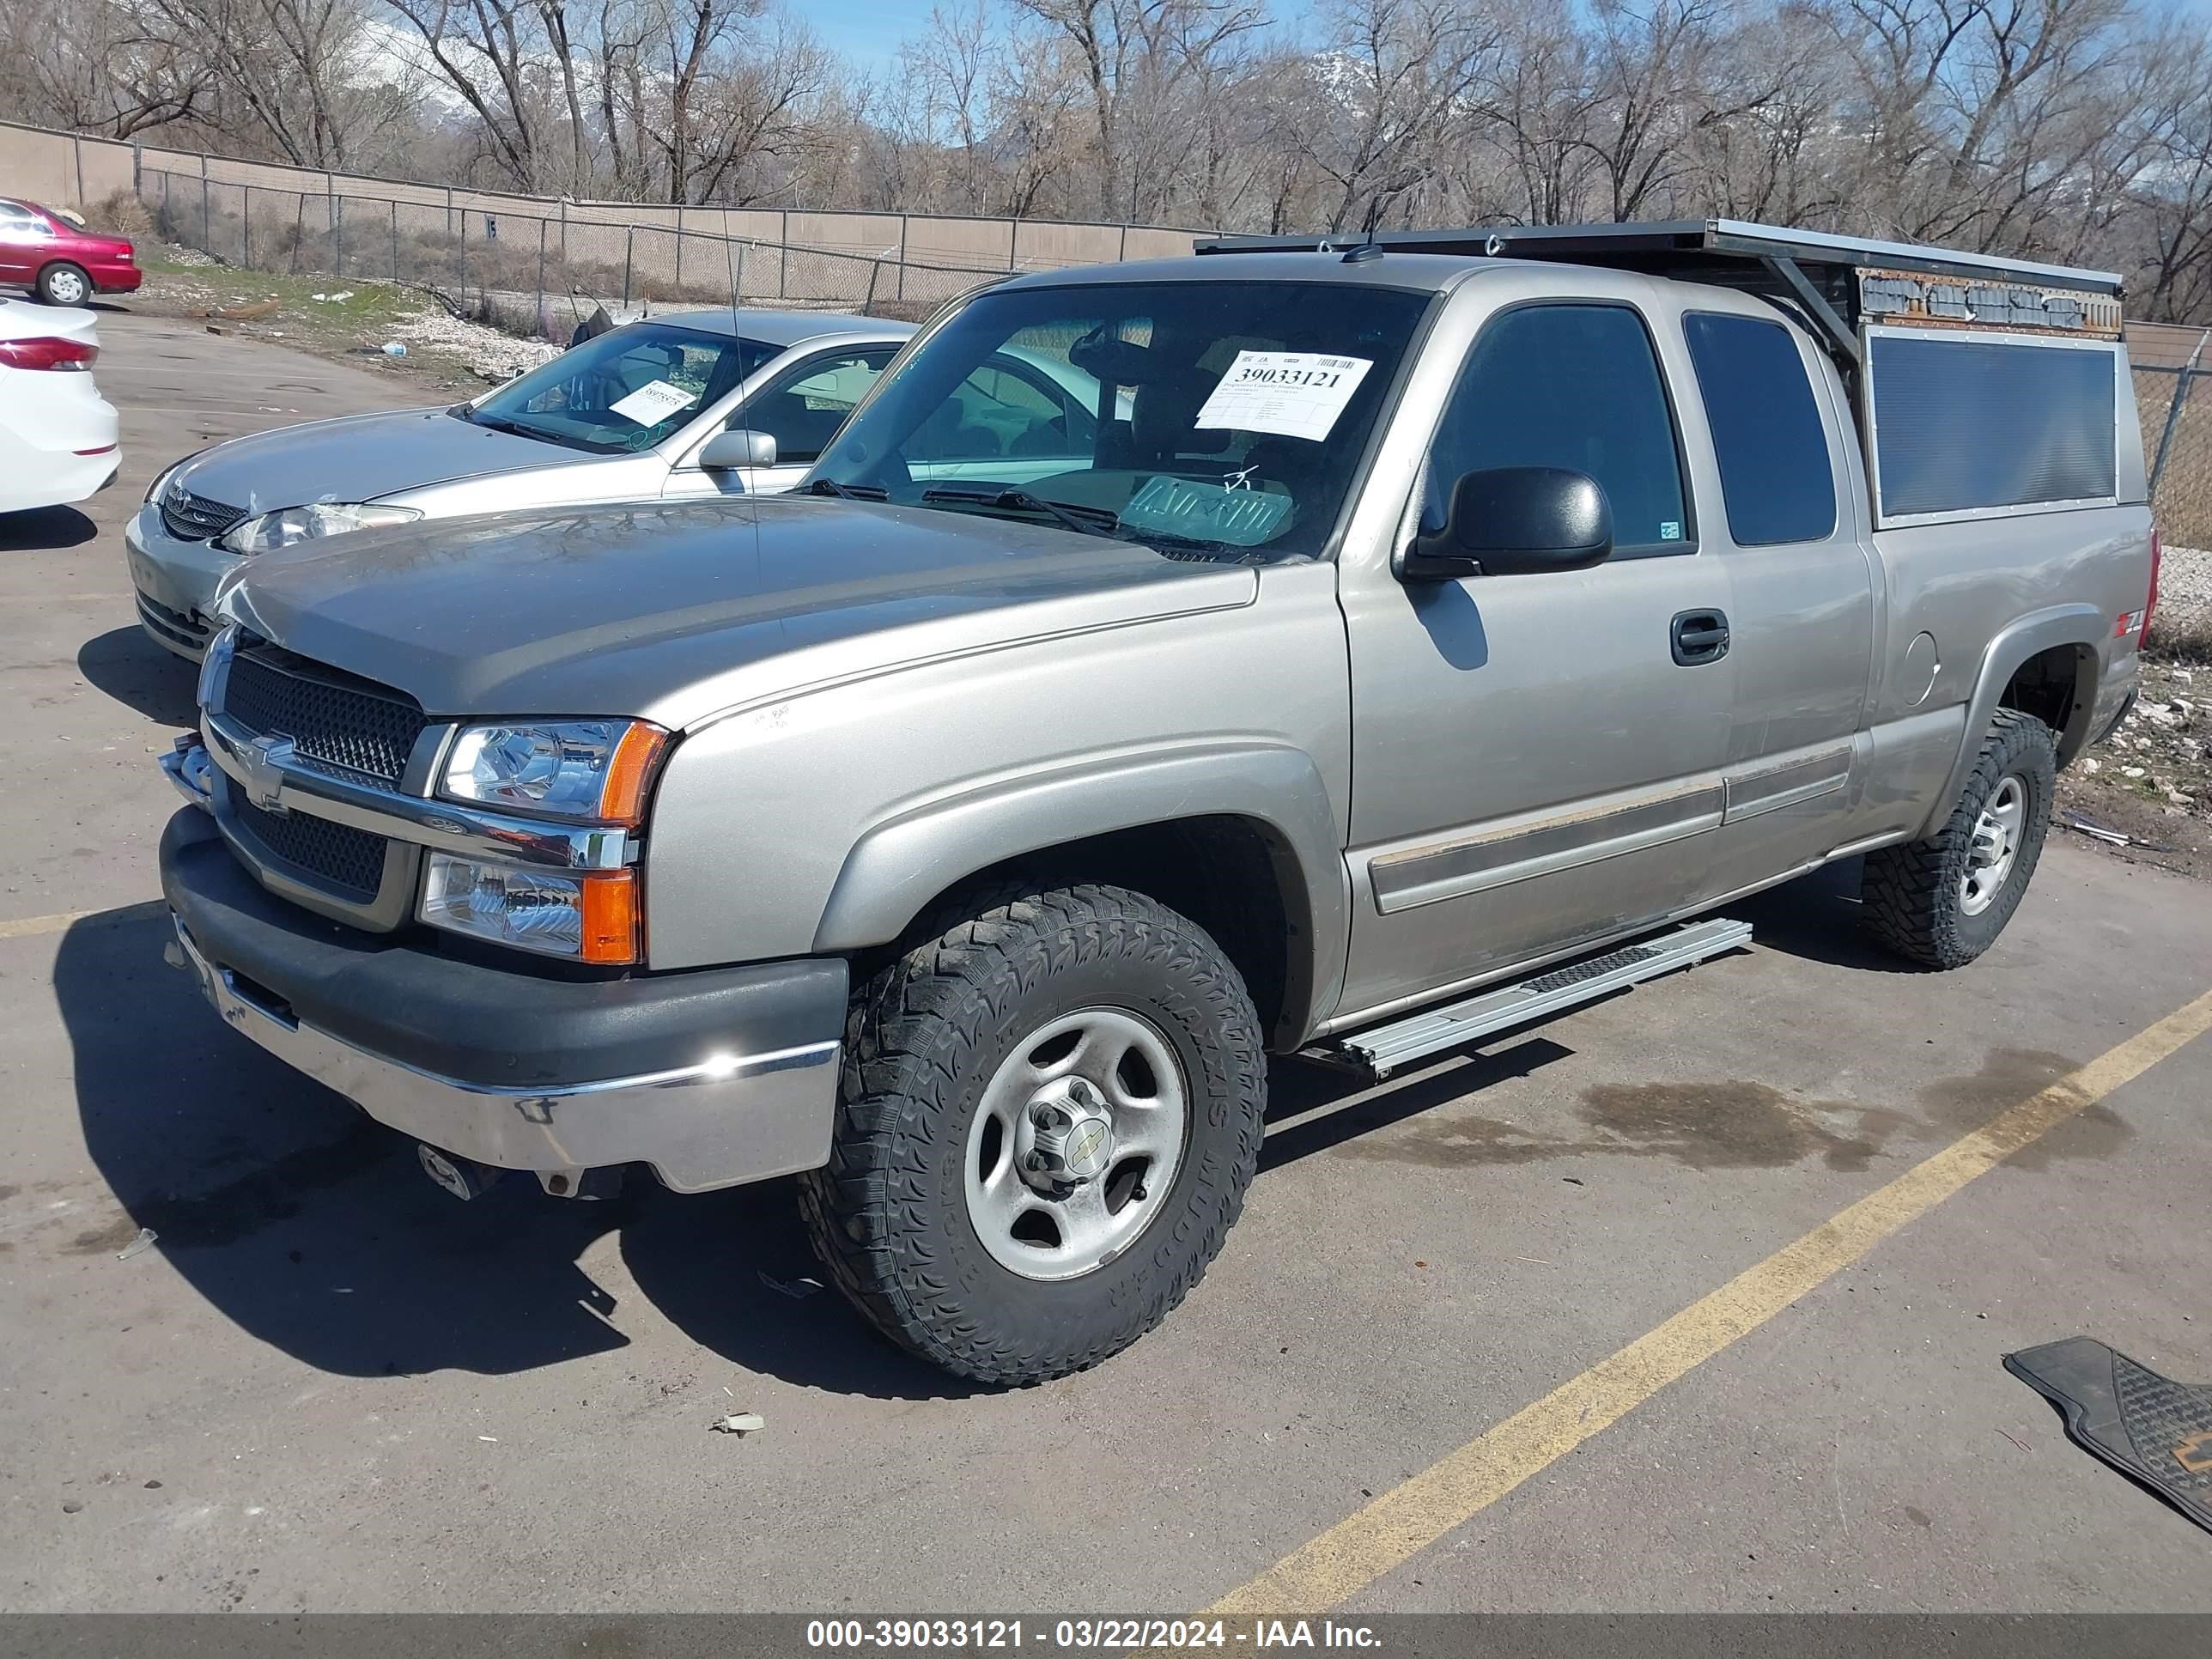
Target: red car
x=62 y=264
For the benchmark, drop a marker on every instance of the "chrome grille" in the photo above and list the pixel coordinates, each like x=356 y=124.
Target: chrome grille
x=192 y=517
x=338 y=723
x=347 y=861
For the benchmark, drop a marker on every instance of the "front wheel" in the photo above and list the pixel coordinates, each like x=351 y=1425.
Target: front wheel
x=64 y=285
x=1944 y=901
x=1050 y=1117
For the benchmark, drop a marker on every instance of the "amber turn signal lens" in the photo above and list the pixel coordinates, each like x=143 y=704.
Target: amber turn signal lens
x=629 y=774
x=610 y=918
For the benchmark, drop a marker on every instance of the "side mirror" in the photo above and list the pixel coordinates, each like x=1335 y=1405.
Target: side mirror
x=1509 y=521
x=740 y=446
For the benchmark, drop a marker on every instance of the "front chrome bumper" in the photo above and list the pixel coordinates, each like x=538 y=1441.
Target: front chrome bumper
x=730 y=1119
x=726 y=1110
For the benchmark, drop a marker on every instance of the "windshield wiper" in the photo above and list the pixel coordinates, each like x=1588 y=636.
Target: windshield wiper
x=849 y=492
x=501 y=423
x=1085 y=520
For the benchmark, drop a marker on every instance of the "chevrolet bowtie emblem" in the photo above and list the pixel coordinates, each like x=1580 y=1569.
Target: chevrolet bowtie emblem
x=264 y=760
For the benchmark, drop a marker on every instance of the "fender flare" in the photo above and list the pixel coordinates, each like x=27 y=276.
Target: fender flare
x=2082 y=626
x=899 y=865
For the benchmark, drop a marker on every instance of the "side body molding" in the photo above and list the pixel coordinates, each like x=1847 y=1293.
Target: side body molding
x=897 y=866
x=2083 y=626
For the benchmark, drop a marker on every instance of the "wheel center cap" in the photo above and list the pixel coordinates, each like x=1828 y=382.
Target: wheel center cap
x=1069 y=1135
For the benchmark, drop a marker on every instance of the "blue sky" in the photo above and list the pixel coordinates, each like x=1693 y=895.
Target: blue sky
x=867 y=31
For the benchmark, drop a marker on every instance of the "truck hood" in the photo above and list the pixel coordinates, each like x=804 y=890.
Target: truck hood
x=677 y=613
x=360 y=457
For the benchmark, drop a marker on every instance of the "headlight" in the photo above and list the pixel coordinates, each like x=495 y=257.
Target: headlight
x=302 y=524
x=594 y=769
x=585 y=917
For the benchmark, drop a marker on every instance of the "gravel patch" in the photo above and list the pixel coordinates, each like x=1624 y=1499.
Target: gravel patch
x=2184 y=579
x=489 y=354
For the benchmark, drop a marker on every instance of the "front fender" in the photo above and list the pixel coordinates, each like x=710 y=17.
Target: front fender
x=901 y=864
x=2082 y=626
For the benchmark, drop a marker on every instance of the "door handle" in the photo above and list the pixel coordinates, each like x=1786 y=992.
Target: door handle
x=1698 y=637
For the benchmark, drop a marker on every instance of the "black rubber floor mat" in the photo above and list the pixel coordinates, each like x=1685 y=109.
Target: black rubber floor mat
x=2146 y=1426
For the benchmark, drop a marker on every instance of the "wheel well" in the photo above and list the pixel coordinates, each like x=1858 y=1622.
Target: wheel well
x=2057 y=686
x=1235 y=877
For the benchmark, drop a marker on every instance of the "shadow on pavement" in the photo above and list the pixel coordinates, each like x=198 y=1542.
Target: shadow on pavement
x=42 y=529
x=137 y=674
x=314 y=1228
x=1815 y=918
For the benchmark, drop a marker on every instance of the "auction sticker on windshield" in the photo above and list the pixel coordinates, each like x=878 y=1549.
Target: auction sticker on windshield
x=651 y=404
x=1295 y=394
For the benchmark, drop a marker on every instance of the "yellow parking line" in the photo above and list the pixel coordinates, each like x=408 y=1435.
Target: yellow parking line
x=1357 y=1551
x=32 y=927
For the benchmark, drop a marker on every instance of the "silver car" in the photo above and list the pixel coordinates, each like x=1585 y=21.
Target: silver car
x=694 y=404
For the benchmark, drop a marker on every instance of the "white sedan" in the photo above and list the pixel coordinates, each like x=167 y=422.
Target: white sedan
x=58 y=436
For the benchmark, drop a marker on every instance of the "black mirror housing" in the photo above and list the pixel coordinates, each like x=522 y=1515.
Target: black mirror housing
x=1511 y=520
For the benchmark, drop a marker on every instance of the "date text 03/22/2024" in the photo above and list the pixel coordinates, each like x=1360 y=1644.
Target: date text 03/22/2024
x=855 y=1634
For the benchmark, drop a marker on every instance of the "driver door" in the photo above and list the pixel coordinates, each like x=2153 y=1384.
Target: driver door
x=1536 y=763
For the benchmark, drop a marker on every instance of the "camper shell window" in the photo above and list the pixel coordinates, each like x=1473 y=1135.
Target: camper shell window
x=1966 y=422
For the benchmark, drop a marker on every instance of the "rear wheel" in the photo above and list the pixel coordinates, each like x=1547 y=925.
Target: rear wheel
x=63 y=284
x=1050 y=1113
x=1944 y=901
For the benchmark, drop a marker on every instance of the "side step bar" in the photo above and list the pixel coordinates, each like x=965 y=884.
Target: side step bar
x=1382 y=1049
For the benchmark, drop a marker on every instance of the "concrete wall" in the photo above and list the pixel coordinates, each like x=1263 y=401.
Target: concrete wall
x=67 y=170
x=60 y=169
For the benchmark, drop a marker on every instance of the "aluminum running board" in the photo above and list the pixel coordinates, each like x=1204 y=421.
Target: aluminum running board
x=1382 y=1049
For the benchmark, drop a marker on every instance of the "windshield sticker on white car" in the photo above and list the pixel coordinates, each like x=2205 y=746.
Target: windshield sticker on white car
x=1231 y=513
x=1297 y=394
x=651 y=404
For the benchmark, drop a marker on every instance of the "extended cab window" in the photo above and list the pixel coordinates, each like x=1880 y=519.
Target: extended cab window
x=1570 y=386
x=1767 y=436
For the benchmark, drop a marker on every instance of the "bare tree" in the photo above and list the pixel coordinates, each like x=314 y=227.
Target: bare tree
x=950 y=64
x=490 y=51
x=1139 y=50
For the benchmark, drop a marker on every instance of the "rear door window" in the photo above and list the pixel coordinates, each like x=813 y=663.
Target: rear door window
x=1767 y=435
x=1576 y=386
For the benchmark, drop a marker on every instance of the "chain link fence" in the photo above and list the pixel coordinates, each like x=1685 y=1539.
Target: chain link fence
x=2172 y=370
x=531 y=274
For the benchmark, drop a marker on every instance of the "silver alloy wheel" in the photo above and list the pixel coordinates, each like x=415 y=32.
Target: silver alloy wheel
x=1996 y=844
x=66 y=287
x=1076 y=1143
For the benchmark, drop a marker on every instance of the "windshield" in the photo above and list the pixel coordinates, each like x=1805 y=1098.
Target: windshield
x=622 y=391
x=1222 y=417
